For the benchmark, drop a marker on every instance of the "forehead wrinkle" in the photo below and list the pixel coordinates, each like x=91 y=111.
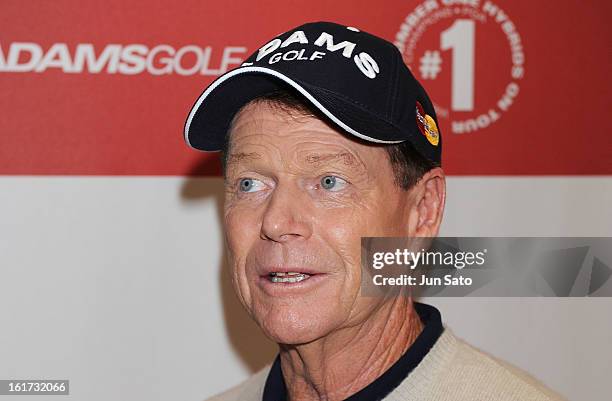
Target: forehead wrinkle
x=316 y=142
x=250 y=141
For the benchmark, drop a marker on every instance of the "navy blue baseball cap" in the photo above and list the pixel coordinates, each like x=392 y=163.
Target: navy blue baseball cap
x=357 y=80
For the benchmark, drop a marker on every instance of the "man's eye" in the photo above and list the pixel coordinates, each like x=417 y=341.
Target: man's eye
x=250 y=185
x=332 y=183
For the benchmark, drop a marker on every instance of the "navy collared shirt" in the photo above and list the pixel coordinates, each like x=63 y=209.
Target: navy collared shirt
x=275 y=389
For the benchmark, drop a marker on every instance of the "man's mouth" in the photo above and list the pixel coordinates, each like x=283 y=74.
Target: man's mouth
x=288 y=277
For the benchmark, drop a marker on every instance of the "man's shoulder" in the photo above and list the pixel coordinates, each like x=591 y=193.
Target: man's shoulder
x=454 y=370
x=249 y=390
x=479 y=375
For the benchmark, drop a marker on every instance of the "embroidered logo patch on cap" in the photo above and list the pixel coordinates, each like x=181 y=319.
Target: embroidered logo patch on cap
x=427 y=125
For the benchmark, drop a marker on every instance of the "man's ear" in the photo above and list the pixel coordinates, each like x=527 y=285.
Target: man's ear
x=429 y=198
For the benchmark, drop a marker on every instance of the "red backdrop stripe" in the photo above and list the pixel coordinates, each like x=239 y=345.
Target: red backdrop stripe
x=104 y=89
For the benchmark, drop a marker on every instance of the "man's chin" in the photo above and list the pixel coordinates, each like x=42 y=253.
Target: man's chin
x=291 y=328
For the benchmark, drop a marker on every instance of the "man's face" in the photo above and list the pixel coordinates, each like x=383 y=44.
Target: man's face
x=299 y=196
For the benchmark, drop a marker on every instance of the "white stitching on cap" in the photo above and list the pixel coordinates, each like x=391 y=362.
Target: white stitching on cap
x=284 y=78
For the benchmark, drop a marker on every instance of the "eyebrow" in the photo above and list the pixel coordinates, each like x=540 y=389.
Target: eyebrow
x=240 y=156
x=315 y=159
x=345 y=158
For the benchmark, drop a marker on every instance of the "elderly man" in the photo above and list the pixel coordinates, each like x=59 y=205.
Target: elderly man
x=326 y=138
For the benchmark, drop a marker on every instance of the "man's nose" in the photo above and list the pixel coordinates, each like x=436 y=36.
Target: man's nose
x=286 y=216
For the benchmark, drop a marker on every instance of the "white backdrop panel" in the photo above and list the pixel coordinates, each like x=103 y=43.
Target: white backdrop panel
x=116 y=283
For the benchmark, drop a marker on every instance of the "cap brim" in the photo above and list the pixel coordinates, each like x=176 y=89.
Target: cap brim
x=209 y=119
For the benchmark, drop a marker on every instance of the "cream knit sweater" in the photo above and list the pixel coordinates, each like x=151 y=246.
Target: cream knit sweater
x=451 y=371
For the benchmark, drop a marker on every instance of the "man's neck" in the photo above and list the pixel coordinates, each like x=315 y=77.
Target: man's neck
x=339 y=365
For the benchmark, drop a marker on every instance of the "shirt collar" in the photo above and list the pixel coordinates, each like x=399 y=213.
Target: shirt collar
x=275 y=389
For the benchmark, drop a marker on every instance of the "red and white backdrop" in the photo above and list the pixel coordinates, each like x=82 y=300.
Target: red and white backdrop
x=111 y=261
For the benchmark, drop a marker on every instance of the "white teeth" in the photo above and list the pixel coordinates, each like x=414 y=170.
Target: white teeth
x=281 y=277
x=282 y=274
